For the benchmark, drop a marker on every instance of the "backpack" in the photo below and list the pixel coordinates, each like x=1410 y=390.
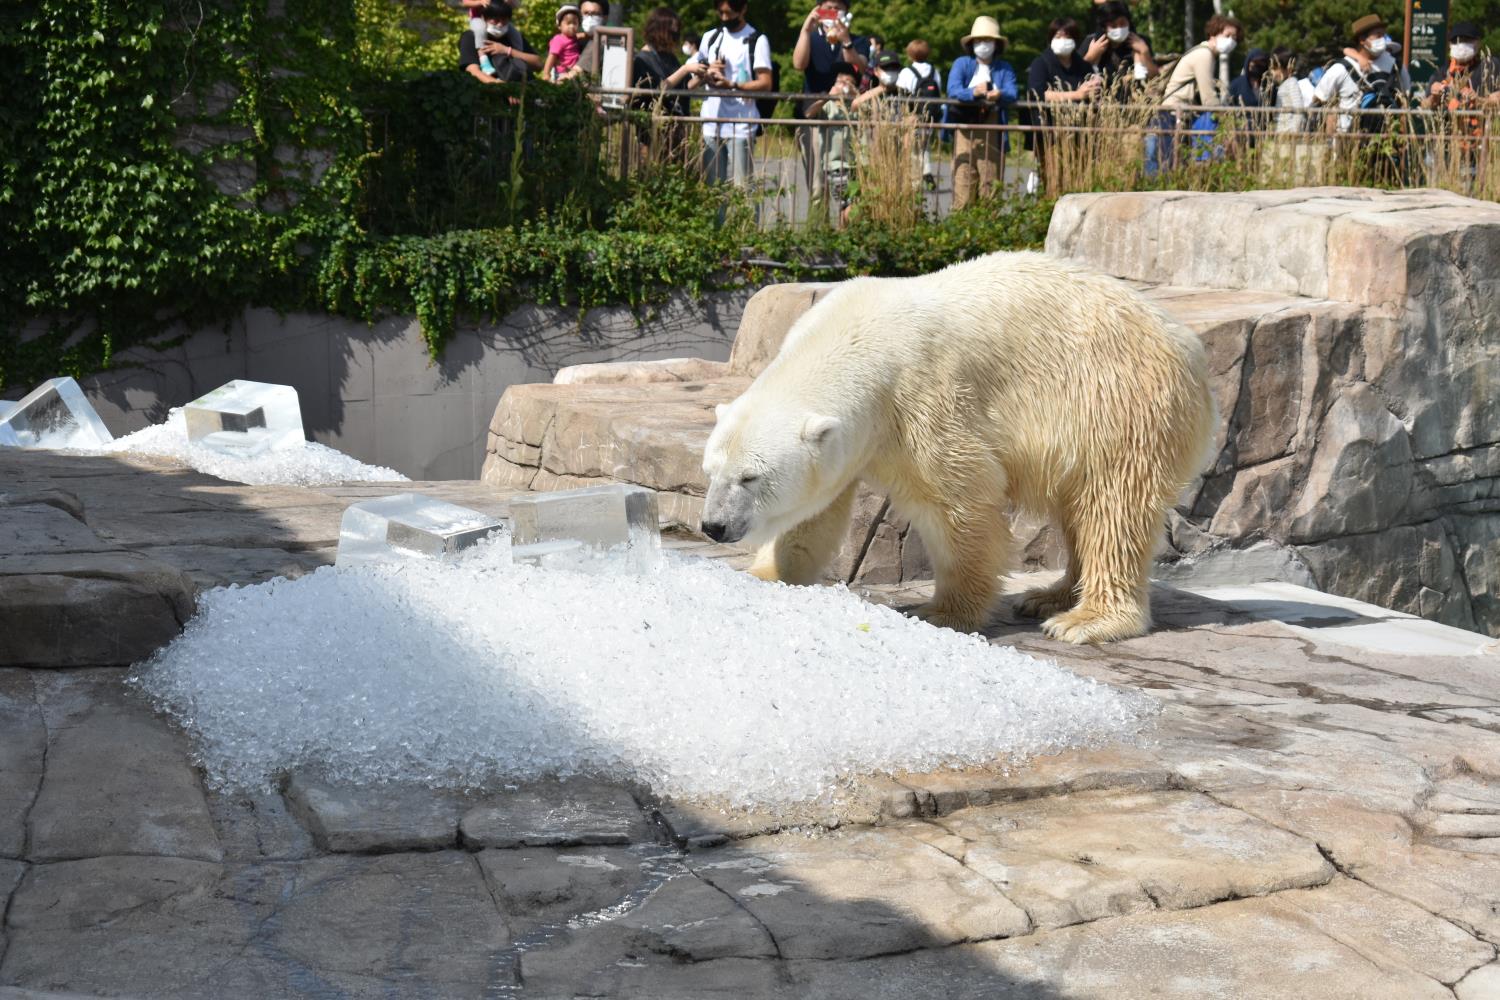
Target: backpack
x=765 y=107
x=927 y=87
x=1377 y=89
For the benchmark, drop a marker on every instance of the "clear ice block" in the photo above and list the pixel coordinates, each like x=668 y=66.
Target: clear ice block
x=409 y=526
x=601 y=517
x=54 y=415
x=245 y=418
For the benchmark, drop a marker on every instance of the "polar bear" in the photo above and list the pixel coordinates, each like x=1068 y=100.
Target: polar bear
x=1011 y=381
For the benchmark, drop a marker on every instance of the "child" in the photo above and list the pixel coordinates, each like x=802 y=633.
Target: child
x=565 y=47
x=838 y=161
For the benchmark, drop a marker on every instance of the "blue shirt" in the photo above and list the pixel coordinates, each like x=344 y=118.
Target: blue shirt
x=1002 y=77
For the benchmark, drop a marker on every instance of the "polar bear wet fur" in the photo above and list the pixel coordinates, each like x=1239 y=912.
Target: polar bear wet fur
x=1012 y=381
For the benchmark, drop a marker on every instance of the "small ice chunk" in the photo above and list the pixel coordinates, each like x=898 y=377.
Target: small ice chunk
x=598 y=516
x=54 y=415
x=245 y=418
x=559 y=552
x=407 y=526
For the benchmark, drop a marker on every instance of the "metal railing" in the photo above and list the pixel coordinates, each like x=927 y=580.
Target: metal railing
x=805 y=169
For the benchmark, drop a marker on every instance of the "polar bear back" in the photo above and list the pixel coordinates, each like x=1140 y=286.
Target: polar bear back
x=1042 y=364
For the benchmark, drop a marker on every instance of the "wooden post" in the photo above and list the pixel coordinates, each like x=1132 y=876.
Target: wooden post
x=1406 y=37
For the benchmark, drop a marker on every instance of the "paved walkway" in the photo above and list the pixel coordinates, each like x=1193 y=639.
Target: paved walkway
x=1317 y=815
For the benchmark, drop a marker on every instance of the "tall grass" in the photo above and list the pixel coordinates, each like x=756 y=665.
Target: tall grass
x=1102 y=148
x=1090 y=147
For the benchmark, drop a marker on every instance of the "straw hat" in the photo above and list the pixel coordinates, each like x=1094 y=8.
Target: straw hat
x=984 y=27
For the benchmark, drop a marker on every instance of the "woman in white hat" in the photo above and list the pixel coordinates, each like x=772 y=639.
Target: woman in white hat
x=986 y=83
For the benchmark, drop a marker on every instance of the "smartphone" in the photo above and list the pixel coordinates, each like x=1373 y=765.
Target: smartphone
x=829 y=15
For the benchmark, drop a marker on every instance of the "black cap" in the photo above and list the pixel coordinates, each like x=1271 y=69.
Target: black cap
x=841 y=67
x=888 y=58
x=1464 y=29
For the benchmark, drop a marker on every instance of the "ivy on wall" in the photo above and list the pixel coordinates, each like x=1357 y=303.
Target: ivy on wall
x=487 y=272
x=167 y=161
x=161 y=159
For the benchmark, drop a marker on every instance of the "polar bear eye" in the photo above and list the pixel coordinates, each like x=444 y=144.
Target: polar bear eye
x=749 y=480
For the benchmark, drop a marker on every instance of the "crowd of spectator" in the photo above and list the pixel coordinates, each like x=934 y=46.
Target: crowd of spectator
x=1109 y=61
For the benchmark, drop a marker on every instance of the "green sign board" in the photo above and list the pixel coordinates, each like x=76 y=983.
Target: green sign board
x=1429 y=39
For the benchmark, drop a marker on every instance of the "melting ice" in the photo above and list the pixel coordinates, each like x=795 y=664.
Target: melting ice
x=691 y=678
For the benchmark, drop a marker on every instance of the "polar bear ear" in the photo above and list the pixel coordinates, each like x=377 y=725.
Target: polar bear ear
x=817 y=428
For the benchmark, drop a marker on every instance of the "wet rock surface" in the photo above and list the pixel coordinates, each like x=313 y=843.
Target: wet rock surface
x=1316 y=813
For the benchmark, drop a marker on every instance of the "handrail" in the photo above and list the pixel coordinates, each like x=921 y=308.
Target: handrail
x=1179 y=130
x=700 y=93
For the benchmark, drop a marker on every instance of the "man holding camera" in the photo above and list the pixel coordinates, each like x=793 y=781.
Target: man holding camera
x=824 y=42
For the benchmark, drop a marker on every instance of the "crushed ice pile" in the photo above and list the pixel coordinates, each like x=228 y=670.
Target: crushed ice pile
x=691 y=678
x=304 y=463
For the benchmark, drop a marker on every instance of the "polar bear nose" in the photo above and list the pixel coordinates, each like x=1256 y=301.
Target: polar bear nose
x=715 y=530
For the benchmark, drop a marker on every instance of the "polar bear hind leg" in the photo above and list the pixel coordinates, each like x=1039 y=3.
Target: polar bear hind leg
x=1044 y=602
x=1114 y=538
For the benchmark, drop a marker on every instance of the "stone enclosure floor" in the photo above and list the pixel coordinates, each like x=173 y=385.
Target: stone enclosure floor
x=1317 y=814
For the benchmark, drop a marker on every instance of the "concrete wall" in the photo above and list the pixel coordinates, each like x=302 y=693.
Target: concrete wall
x=372 y=392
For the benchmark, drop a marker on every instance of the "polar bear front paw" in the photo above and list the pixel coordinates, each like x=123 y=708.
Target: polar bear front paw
x=1082 y=625
x=958 y=621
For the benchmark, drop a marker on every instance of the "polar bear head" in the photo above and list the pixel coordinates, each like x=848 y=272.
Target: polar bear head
x=770 y=469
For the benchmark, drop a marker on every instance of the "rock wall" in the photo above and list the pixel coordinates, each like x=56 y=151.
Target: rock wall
x=372 y=391
x=1360 y=391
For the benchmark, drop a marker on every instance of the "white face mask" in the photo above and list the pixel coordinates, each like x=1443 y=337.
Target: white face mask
x=592 y=21
x=495 y=31
x=887 y=78
x=1461 y=51
x=1375 y=46
x=687 y=49
x=1118 y=35
x=983 y=50
x=1063 y=46
x=1225 y=44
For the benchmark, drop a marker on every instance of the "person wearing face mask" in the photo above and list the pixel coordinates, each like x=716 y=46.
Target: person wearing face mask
x=737 y=59
x=887 y=72
x=1245 y=90
x=591 y=16
x=1468 y=80
x=1194 y=81
x=986 y=84
x=503 y=56
x=656 y=67
x=1060 y=75
x=1366 y=77
x=824 y=42
x=1123 y=57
